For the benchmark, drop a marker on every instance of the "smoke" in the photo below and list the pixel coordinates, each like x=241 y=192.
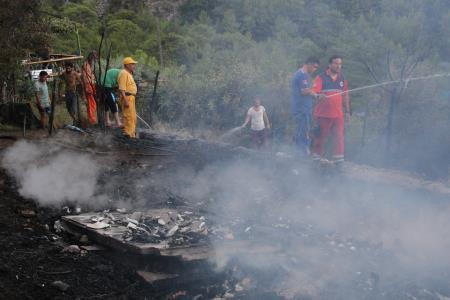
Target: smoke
x=321 y=230
x=52 y=176
x=308 y=232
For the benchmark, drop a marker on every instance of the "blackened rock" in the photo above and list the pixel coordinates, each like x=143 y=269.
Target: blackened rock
x=60 y=285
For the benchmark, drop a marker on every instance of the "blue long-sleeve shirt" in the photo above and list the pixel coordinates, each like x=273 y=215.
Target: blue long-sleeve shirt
x=301 y=103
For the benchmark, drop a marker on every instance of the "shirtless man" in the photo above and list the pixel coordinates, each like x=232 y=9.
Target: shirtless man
x=72 y=79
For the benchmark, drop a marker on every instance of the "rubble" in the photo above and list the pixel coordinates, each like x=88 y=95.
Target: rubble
x=92 y=248
x=99 y=225
x=28 y=213
x=84 y=239
x=58 y=227
x=60 y=285
x=71 y=249
x=171 y=228
x=152 y=278
x=168 y=226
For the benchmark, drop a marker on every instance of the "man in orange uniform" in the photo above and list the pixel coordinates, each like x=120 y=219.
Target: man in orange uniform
x=128 y=90
x=87 y=74
x=332 y=88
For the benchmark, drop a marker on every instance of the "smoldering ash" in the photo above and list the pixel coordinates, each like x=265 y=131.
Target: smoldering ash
x=321 y=232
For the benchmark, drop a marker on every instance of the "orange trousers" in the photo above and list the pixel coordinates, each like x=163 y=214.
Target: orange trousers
x=129 y=117
x=335 y=126
x=91 y=109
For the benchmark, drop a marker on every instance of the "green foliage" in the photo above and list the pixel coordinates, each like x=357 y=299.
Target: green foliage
x=22 y=30
x=125 y=35
x=219 y=54
x=80 y=13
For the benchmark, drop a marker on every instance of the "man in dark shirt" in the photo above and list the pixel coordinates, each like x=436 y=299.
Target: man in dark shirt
x=302 y=103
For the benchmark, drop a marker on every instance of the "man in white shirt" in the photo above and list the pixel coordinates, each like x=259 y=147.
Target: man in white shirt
x=259 y=123
x=42 y=97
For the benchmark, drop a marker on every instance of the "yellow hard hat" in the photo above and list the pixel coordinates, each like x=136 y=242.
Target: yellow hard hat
x=128 y=60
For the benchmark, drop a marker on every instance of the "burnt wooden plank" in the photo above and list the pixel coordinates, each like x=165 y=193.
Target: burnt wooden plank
x=112 y=237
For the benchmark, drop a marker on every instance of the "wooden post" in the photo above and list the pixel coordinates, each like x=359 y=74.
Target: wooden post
x=101 y=86
x=391 y=113
x=24 y=123
x=78 y=40
x=364 y=129
x=158 y=28
x=53 y=105
x=153 y=100
x=98 y=89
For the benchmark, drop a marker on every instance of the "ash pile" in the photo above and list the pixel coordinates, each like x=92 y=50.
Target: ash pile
x=159 y=226
x=171 y=227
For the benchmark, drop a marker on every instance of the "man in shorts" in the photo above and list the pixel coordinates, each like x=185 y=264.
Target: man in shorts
x=72 y=80
x=259 y=124
x=42 y=97
x=110 y=87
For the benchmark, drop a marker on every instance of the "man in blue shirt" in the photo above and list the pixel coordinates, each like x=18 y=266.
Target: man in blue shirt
x=302 y=103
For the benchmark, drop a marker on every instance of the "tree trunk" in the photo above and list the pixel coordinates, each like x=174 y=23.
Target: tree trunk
x=389 y=129
x=364 y=129
x=152 y=106
x=53 y=105
x=158 y=27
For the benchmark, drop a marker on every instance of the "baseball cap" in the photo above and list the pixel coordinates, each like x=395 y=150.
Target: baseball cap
x=128 y=60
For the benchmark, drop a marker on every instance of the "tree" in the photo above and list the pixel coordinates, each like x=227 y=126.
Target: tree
x=391 y=45
x=23 y=30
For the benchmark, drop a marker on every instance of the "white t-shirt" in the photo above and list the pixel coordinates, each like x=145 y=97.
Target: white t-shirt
x=257 y=118
x=42 y=91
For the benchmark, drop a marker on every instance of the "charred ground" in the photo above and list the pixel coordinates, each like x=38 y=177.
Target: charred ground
x=346 y=240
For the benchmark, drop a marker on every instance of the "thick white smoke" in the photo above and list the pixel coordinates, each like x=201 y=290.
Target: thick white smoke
x=52 y=176
x=336 y=229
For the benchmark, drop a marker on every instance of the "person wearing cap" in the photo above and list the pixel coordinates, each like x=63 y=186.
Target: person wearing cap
x=42 y=97
x=88 y=77
x=128 y=90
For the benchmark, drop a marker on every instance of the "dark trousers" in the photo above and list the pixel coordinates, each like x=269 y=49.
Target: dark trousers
x=302 y=137
x=110 y=100
x=260 y=138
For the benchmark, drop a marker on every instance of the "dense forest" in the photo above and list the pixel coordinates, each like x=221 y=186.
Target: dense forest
x=215 y=56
